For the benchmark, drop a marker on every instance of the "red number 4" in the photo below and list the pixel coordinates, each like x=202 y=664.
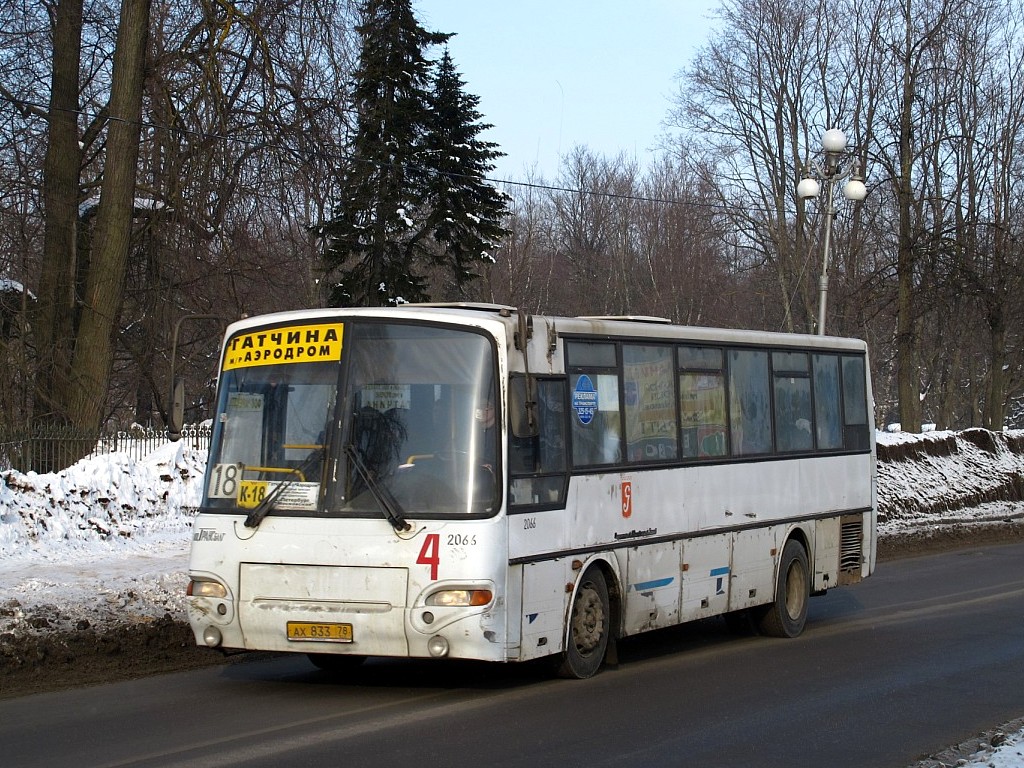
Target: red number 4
x=430 y=554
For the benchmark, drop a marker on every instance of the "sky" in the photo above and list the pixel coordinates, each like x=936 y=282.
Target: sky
x=106 y=540
x=555 y=74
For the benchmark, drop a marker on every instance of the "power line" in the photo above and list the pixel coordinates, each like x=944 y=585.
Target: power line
x=337 y=154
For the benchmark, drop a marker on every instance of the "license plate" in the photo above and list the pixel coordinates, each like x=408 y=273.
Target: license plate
x=319 y=632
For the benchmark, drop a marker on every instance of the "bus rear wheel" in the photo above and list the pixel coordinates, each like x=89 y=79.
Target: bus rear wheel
x=787 y=616
x=589 y=627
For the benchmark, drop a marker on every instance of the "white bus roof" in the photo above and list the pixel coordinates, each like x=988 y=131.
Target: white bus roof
x=624 y=326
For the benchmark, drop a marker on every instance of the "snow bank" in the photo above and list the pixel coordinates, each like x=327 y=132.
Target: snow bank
x=102 y=543
x=943 y=478
x=107 y=506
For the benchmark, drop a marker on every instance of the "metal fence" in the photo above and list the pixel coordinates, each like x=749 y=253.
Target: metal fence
x=53 y=449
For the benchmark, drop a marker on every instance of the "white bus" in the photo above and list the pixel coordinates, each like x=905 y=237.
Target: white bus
x=473 y=482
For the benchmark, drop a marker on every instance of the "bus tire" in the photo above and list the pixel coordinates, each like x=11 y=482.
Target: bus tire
x=787 y=616
x=589 y=627
x=335 y=663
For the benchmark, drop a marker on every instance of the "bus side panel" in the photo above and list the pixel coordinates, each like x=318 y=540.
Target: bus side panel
x=706 y=570
x=652 y=587
x=536 y=533
x=544 y=606
x=753 y=567
x=766 y=492
x=826 y=554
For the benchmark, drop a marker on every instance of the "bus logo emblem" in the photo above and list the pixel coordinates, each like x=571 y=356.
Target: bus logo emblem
x=627 y=498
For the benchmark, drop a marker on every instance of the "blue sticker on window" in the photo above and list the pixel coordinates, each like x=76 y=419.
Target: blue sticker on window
x=584 y=399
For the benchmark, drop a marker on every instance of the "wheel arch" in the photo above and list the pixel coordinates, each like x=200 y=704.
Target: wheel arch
x=606 y=563
x=802 y=536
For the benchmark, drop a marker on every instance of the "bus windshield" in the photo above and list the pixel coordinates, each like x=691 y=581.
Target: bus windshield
x=400 y=419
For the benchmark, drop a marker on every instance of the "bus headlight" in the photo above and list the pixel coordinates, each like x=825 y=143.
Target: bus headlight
x=460 y=598
x=205 y=588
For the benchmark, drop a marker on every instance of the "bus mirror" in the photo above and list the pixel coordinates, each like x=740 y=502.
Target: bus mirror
x=522 y=407
x=177 y=410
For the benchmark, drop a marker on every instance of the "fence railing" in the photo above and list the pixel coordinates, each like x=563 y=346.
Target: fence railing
x=53 y=449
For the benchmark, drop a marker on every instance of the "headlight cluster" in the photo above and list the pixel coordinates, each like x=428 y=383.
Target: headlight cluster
x=460 y=598
x=203 y=588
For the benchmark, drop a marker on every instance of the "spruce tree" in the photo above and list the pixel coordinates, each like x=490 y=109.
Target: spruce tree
x=413 y=194
x=466 y=212
x=371 y=237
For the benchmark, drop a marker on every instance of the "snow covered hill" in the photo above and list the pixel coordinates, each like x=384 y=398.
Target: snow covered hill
x=943 y=478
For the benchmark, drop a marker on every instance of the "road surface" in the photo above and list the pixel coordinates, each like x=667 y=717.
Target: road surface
x=926 y=653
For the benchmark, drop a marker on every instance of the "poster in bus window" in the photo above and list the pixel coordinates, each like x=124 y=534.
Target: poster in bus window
x=650 y=412
x=385 y=397
x=243 y=429
x=702 y=414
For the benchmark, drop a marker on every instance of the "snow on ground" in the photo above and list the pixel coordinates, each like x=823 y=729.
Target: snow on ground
x=1004 y=748
x=106 y=541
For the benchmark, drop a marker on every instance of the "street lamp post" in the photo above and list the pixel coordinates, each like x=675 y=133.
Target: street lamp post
x=830 y=171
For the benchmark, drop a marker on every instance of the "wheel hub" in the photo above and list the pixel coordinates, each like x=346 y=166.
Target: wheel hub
x=588 y=620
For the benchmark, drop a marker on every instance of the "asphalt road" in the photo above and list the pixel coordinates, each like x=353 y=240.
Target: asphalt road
x=926 y=653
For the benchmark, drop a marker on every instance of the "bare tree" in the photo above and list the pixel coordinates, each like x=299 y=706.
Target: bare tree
x=524 y=274
x=243 y=118
x=919 y=89
x=751 y=99
x=681 y=233
x=988 y=189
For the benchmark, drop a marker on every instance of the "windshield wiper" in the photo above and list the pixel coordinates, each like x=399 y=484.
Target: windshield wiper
x=261 y=510
x=387 y=503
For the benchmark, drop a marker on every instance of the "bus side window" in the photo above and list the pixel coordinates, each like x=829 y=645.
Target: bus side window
x=750 y=418
x=594 y=403
x=537 y=463
x=855 y=404
x=596 y=430
x=826 y=402
x=544 y=452
x=551 y=410
x=702 y=403
x=792 y=391
x=652 y=422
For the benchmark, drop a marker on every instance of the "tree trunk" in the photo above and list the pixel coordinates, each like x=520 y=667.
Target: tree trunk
x=54 y=319
x=908 y=384
x=104 y=293
x=995 y=399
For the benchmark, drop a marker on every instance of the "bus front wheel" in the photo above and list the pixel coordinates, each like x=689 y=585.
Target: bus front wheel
x=589 y=627
x=787 y=615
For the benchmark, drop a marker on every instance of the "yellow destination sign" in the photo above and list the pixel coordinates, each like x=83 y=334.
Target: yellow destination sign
x=294 y=344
